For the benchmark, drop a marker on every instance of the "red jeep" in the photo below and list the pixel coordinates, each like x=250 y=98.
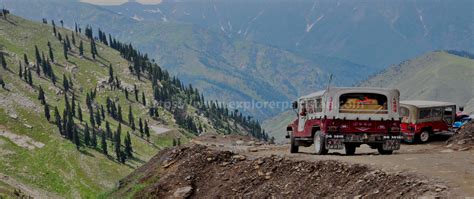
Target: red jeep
x=340 y=118
x=422 y=119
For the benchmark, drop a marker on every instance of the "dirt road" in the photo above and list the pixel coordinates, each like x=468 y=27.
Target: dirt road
x=433 y=160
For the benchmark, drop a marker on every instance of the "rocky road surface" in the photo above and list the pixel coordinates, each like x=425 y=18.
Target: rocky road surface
x=434 y=160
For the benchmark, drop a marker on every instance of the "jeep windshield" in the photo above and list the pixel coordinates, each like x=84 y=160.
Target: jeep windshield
x=363 y=103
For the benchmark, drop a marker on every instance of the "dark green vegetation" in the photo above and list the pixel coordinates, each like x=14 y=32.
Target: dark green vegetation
x=78 y=109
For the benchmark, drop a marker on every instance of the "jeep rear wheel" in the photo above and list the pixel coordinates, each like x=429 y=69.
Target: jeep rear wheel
x=319 y=143
x=424 y=136
x=350 y=149
x=384 y=152
x=293 y=147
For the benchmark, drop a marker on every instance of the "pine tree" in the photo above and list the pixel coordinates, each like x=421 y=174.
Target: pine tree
x=136 y=92
x=93 y=49
x=68 y=43
x=98 y=118
x=41 y=97
x=25 y=59
x=30 y=78
x=51 y=55
x=65 y=50
x=91 y=117
x=111 y=74
x=94 y=138
x=20 y=70
x=140 y=125
x=108 y=132
x=37 y=55
x=54 y=27
x=76 y=138
x=87 y=136
x=128 y=145
x=73 y=39
x=79 y=113
x=143 y=99
x=131 y=120
x=73 y=105
x=2 y=82
x=104 y=144
x=57 y=119
x=65 y=83
x=119 y=113
x=118 y=143
x=46 y=112
x=147 y=130
x=81 y=49
x=3 y=60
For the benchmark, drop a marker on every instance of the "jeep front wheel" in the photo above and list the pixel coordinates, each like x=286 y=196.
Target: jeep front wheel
x=319 y=143
x=424 y=136
x=384 y=152
x=293 y=147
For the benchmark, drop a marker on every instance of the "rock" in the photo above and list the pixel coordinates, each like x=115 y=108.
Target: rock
x=239 y=157
x=259 y=162
x=465 y=148
x=239 y=142
x=461 y=142
x=260 y=173
x=13 y=116
x=210 y=159
x=183 y=192
x=253 y=149
x=28 y=126
x=251 y=143
x=447 y=151
x=438 y=189
x=213 y=136
x=449 y=146
x=221 y=145
x=268 y=177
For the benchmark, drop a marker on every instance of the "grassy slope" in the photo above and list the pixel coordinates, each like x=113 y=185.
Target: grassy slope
x=58 y=167
x=432 y=76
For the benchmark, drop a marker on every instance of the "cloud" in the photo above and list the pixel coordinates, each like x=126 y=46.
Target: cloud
x=118 y=2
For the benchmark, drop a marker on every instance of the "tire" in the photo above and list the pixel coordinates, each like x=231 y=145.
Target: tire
x=384 y=152
x=350 y=149
x=424 y=136
x=319 y=144
x=293 y=147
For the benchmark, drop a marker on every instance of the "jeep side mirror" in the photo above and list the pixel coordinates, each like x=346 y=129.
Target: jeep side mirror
x=294 y=105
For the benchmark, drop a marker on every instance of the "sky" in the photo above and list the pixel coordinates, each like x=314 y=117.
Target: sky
x=118 y=2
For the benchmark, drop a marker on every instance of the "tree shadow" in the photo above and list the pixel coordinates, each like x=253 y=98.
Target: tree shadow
x=85 y=152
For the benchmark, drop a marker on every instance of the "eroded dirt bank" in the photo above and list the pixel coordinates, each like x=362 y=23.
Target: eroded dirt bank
x=198 y=171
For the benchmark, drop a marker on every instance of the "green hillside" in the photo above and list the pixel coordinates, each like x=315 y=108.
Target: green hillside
x=433 y=76
x=41 y=162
